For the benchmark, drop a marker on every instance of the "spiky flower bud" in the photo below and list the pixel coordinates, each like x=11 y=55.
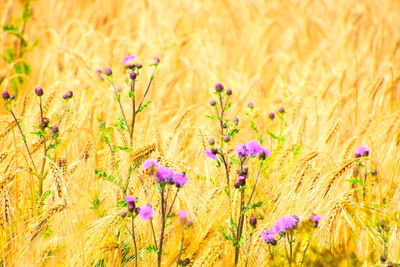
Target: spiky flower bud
x=108 y=71
x=68 y=95
x=54 y=129
x=271 y=115
x=132 y=75
x=253 y=221
x=219 y=87
x=39 y=91
x=214 y=151
x=211 y=141
x=212 y=102
x=250 y=105
x=6 y=95
x=156 y=61
x=229 y=91
x=236 y=121
x=226 y=138
x=123 y=214
x=281 y=110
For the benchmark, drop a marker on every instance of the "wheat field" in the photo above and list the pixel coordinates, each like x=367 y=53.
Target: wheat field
x=332 y=65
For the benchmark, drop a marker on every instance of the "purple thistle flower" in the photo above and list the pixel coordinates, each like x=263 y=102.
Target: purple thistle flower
x=362 y=151
x=179 y=179
x=241 y=150
x=12 y=97
x=254 y=148
x=315 y=219
x=108 y=71
x=219 y=87
x=164 y=175
x=209 y=154
x=156 y=61
x=228 y=91
x=146 y=213
x=253 y=221
x=269 y=237
x=242 y=180
x=6 y=95
x=184 y=217
x=150 y=163
x=39 y=91
x=128 y=59
x=213 y=102
x=132 y=75
x=236 y=121
x=281 y=110
x=131 y=202
x=250 y=105
x=271 y=115
x=286 y=223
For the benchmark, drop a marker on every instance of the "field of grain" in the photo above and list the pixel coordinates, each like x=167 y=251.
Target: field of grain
x=333 y=66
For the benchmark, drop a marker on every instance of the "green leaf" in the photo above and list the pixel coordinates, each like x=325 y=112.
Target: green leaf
x=233 y=132
x=213 y=117
x=122 y=204
x=151 y=249
x=8 y=56
x=251 y=206
x=233 y=223
x=273 y=136
x=9 y=28
x=235 y=161
x=144 y=106
x=132 y=94
x=356 y=181
x=122 y=123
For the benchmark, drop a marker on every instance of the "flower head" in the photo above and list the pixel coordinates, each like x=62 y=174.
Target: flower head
x=209 y=154
x=282 y=110
x=6 y=95
x=164 y=174
x=271 y=115
x=219 y=87
x=254 y=148
x=156 y=61
x=253 y=221
x=184 y=217
x=241 y=150
x=179 y=179
x=250 y=105
x=362 y=151
x=128 y=59
x=269 y=237
x=286 y=223
x=315 y=219
x=146 y=213
x=68 y=95
x=39 y=91
x=108 y=71
x=131 y=202
x=150 y=164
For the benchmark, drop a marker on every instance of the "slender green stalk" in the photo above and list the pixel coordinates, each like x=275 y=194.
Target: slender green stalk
x=23 y=139
x=43 y=128
x=133 y=110
x=134 y=240
x=181 y=247
x=161 y=241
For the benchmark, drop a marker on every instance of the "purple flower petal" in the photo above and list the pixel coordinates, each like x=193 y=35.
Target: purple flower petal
x=179 y=179
x=209 y=154
x=146 y=213
x=128 y=59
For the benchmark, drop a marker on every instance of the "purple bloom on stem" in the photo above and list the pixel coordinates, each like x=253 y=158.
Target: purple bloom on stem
x=108 y=71
x=315 y=219
x=39 y=91
x=241 y=150
x=219 y=87
x=254 y=148
x=6 y=95
x=156 y=61
x=179 y=179
x=146 y=213
x=242 y=180
x=184 y=217
x=286 y=223
x=271 y=115
x=131 y=202
x=209 y=154
x=362 y=151
x=128 y=59
x=164 y=175
x=250 y=105
x=269 y=237
x=150 y=163
x=266 y=151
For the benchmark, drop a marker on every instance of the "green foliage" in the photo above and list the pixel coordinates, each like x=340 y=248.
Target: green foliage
x=144 y=106
x=251 y=206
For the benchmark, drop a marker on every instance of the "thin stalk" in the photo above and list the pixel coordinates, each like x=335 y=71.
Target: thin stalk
x=290 y=249
x=120 y=105
x=161 y=241
x=154 y=234
x=181 y=247
x=24 y=140
x=134 y=240
x=305 y=250
x=41 y=177
x=173 y=201
x=133 y=110
x=248 y=249
x=255 y=184
x=240 y=228
x=270 y=252
x=147 y=90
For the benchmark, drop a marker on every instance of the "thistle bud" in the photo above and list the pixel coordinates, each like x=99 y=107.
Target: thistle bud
x=45 y=122
x=39 y=91
x=68 y=95
x=211 y=141
x=214 y=151
x=219 y=87
x=281 y=110
x=271 y=115
x=250 y=105
x=212 y=102
x=54 y=129
x=253 y=221
x=236 y=184
x=156 y=61
x=236 y=121
x=108 y=71
x=226 y=138
x=12 y=97
x=132 y=75
x=6 y=95
x=123 y=214
x=228 y=91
